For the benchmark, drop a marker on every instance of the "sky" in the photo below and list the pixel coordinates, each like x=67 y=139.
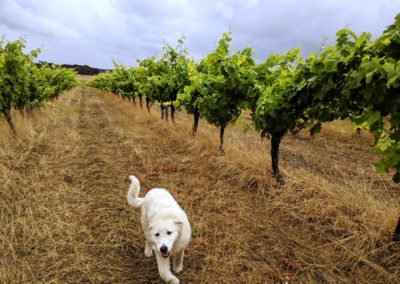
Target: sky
x=96 y=32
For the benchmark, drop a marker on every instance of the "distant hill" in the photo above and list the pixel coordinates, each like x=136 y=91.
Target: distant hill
x=80 y=69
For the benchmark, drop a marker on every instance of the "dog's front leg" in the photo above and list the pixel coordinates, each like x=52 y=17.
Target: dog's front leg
x=178 y=262
x=147 y=249
x=164 y=270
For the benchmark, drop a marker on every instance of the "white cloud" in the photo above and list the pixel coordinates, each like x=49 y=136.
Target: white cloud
x=19 y=18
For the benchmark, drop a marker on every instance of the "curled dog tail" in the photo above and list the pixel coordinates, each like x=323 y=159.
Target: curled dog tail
x=133 y=193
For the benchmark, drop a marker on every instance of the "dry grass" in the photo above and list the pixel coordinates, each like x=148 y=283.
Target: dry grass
x=64 y=218
x=84 y=78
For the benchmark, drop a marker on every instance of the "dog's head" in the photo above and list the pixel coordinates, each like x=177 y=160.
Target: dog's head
x=163 y=235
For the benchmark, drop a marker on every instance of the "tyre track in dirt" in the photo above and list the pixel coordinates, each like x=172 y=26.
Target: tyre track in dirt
x=101 y=165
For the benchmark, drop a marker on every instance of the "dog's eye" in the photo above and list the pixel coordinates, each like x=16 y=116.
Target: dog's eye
x=169 y=233
x=157 y=234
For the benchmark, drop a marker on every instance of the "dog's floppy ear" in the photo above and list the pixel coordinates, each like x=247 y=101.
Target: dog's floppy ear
x=179 y=224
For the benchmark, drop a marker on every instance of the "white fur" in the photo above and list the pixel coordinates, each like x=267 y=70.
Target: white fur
x=165 y=225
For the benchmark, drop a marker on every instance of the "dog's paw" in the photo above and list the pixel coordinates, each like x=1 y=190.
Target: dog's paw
x=148 y=252
x=177 y=267
x=173 y=280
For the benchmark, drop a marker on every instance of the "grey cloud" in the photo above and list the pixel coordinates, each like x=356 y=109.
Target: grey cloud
x=277 y=26
x=94 y=32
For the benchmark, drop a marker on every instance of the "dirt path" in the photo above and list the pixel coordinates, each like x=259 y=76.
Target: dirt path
x=67 y=220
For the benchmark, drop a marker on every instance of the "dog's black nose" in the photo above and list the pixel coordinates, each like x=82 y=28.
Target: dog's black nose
x=163 y=249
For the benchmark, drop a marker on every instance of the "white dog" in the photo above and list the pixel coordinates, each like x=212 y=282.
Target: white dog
x=165 y=225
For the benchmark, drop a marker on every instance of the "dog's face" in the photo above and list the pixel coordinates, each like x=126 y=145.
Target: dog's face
x=163 y=234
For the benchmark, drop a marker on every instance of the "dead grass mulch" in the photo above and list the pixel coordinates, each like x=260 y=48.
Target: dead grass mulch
x=64 y=216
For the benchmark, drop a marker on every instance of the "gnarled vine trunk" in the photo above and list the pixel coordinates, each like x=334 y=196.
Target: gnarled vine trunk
x=8 y=118
x=173 y=114
x=29 y=109
x=196 y=118
x=221 y=139
x=148 y=104
x=141 y=101
x=166 y=113
x=162 y=109
x=275 y=142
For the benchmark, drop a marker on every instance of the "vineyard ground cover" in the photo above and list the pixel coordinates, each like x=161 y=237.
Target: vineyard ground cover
x=64 y=216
